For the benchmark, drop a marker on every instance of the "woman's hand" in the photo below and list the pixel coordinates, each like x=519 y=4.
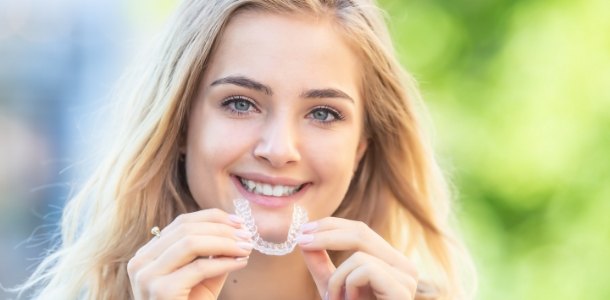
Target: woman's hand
x=191 y=258
x=374 y=271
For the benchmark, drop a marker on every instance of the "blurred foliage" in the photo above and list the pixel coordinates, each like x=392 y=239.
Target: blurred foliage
x=519 y=93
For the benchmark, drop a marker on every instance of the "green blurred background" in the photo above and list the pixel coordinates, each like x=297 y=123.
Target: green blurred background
x=519 y=97
x=519 y=93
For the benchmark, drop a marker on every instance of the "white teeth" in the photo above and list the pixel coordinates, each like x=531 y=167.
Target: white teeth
x=278 y=190
x=267 y=189
x=258 y=189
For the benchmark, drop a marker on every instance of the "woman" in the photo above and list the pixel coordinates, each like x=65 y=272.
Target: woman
x=279 y=103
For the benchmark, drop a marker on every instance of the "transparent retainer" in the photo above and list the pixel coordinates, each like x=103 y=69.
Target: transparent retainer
x=299 y=217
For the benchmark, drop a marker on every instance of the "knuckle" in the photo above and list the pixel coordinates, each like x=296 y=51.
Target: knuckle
x=183 y=228
x=181 y=219
x=362 y=228
x=361 y=233
x=158 y=290
x=189 y=243
x=358 y=256
x=142 y=280
x=133 y=265
x=216 y=212
x=139 y=251
x=351 y=279
x=334 y=282
x=170 y=289
x=370 y=268
x=412 y=285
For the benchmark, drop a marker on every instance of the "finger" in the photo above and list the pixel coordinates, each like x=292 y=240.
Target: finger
x=382 y=285
x=157 y=246
x=210 y=273
x=359 y=278
x=213 y=215
x=321 y=268
x=209 y=288
x=352 y=292
x=192 y=247
x=348 y=235
x=384 y=275
x=336 y=282
x=216 y=221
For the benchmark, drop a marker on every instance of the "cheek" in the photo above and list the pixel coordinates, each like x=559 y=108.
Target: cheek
x=220 y=142
x=332 y=160
x=217 y=140
x=334 y=153
x=214 y=144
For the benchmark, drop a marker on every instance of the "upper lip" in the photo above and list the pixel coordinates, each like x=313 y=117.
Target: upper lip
x=272 y=180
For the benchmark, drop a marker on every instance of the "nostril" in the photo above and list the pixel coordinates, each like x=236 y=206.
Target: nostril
x=278 y=145
x=277 y=156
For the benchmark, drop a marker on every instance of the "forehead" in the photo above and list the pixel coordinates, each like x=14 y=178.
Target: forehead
x=279 y=48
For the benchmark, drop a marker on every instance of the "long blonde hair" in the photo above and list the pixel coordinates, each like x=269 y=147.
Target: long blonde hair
x=398 y=188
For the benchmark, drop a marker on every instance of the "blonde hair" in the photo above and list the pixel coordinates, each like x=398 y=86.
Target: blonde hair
x=398 y=188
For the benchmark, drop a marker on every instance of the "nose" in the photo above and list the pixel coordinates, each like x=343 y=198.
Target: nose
x=278 y=144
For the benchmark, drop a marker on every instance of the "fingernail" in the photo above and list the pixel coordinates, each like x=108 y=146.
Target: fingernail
x=326 y=295
x=308 y=227
x=243 y=233
x=242 y=258
x=303 y=239
x=236 y=219
x=245 y=245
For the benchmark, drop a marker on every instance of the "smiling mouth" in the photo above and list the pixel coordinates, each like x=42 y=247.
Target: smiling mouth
x=266 y=189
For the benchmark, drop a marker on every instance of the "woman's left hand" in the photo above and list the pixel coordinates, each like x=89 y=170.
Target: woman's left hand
x=375 y=270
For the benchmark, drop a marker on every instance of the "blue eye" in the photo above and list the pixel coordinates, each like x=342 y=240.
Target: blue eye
x=242 y=105
x=326 y=115
x=239 y=105
x=321 y=115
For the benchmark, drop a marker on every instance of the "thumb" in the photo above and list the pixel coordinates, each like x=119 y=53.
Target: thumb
x=208 y=286
x=320 y=266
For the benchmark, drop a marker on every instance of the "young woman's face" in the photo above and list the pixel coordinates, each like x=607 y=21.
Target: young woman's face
x=277 y=121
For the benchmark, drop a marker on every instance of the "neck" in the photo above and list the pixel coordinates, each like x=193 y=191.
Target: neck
x=271 y=277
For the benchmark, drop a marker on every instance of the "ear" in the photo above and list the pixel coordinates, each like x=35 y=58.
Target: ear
x=362 y=146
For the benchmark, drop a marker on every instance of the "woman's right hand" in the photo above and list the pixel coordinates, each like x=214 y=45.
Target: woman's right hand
x=191 y=258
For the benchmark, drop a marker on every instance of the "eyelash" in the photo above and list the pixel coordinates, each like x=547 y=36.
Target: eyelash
x=337 y=115
x=226 y=105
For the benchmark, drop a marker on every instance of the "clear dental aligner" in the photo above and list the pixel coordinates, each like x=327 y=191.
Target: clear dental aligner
x=299 y=217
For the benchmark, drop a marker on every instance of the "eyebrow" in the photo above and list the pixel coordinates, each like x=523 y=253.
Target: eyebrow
x=248 y=83
x=326 y=93
x=244 y=82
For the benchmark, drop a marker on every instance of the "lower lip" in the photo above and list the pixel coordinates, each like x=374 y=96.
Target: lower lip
x=268 y=201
